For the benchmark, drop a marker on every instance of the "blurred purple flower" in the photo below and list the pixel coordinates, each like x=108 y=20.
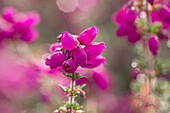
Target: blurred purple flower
x=153 y=44
x=162 y=15
x=9 y=14
x=132 y=15
x=133 y=36
x=97 y=78
x=21 y=24
x=127 y=26
x=120 y=15
x=20 y=80
x=151 y=1
x=100 y=81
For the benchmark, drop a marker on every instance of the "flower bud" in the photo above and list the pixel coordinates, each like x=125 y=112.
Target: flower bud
x=101 y=80
x=68 y=42
x=9 y=14
x=130 y=17
x=153 y=44
x=120 y=15
x=164 y=13
x=94 y=49
x=133 y=36
x=80 y=56
x=56 y=46
x=151 y=1
x=29 y=36
x=95 y=62
x=88 y=35
x=124 y=29
x=162 y=16
x=55 y=60
x=69 y=66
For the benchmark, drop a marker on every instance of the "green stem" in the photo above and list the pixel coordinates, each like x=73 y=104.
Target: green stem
x=71 y=98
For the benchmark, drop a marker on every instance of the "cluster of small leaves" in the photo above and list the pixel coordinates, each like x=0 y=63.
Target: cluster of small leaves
x=78 y=90
x=155 y=27
x=161 y=89
x=76 y=76
x=135 y=86
x=67 y=106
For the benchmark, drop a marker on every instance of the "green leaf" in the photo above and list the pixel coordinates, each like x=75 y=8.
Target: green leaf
x=84 y=85
x=77 y=76
x=67 y=104
x=141 y=22
x=68 y=75
x=155 y=27
x=76 y=106
x=63 y=88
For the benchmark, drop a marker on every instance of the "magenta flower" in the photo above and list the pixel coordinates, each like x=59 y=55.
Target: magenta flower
x=162 y=15
x=133 y=37
x=21 y=24
x=69 y=66
x=56 y=46
x=94 y=49
x=130 y=17
x=165 y=14
x=127 y=27
x=100 y=80
x=80 y=56
x=30 y=36
x=97 y=79
x=95 y=62
x=70 y=53
x=153 y=44
x=68 y=41
x=55 y=60
x=9 y=14
x=151 y=1
x=120 y=15
x=88 y=35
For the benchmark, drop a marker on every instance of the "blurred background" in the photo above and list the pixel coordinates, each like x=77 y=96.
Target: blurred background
x=42 y=95
x=57 y=17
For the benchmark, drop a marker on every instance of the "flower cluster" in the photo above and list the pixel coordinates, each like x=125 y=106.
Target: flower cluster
x=18 y=26
x=133 y=24
x=72 y=51
x=127 y=25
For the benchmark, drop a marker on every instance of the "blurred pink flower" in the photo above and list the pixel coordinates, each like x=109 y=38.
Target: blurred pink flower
x=20 y=25
x=97 y=78
x=17 y=80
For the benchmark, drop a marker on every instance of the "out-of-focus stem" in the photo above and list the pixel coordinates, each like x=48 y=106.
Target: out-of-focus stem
x=71 y=98
x=149 y=58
